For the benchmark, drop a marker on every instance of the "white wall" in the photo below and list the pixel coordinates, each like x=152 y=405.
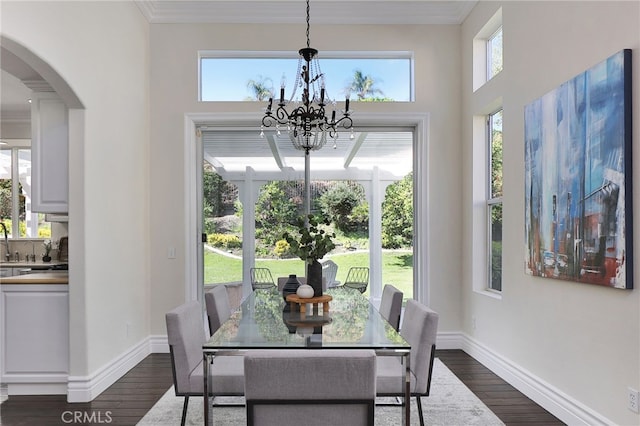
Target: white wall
x=583 y=340
x=101 y=50
x=174 y=49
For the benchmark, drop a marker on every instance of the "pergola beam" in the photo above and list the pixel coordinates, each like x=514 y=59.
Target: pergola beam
x=275 y=151
x=354 y=149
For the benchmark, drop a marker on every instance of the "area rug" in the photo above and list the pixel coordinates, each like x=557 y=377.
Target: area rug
x=451 y=403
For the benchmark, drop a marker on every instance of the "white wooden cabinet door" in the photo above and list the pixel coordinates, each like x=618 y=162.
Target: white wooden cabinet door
x=49 y=153
x=34 y=338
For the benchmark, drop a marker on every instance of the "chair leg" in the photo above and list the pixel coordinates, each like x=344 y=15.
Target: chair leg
x=419 y=402
x=184 y=410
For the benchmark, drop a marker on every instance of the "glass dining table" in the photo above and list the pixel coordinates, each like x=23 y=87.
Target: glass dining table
x=265 y=321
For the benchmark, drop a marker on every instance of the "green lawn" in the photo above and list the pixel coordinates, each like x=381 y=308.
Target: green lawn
x=397 y=268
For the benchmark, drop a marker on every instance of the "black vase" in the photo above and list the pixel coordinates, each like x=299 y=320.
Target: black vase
x=46 y=258
x=290 y=287
x=314 y=277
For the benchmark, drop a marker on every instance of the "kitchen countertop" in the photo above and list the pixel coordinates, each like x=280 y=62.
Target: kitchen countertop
x=54 y=277
x=38 y=264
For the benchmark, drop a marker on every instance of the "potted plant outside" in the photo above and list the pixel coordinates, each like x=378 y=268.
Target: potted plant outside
x=311 y=244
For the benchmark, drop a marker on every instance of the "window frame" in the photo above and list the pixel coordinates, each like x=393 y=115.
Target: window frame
x=491 y=201
x=15 y=147
x=480 y=57
x=355 y=55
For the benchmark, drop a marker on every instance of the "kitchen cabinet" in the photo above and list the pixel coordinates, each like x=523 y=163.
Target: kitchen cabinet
x=49 y=153
x=34 y=338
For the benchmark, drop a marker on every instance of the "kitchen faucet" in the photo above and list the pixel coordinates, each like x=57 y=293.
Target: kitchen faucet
x=7 y=255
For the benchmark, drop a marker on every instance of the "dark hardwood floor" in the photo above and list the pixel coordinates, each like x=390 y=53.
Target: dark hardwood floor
x=129 y=399
x=511 y=406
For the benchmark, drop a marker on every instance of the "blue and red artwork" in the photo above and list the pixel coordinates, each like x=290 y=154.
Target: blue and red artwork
x=578 y=219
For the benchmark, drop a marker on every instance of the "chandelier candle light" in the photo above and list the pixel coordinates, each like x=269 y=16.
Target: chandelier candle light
x=307 y=124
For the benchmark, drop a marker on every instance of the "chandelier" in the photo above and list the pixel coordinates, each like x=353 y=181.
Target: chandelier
x=307 y=124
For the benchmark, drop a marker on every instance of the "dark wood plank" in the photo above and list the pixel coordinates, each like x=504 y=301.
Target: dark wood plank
x=131 y=397
x=510 y=405
x=124 y=403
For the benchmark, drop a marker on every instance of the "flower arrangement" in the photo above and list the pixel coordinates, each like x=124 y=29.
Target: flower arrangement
x=312 y=242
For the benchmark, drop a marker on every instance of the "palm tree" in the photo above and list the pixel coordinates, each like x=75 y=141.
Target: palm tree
x=262 y=88
x=363 y=86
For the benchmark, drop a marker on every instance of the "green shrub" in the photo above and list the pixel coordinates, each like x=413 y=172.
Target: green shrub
x=339 y=202
x=397 y=214
x=224 y=241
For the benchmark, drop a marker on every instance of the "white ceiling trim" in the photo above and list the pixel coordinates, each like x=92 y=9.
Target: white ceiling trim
x=293 y=11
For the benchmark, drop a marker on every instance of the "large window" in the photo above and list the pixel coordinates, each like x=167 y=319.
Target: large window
x=494 y=200
x=267 y=176
x=256 y=76
x=15 y=195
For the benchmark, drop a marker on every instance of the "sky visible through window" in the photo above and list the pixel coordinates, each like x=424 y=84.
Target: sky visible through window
x=225 y=79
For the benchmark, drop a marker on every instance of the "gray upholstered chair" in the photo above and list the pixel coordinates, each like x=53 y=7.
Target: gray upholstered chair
x=218 y=307
x=310 y=387
x=357 y=278
x=391 y=305
x=261 y=278
x=329 y=272
x=186 y=335
x=419 y=329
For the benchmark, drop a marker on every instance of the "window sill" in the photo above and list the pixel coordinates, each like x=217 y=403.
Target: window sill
x=490 y=293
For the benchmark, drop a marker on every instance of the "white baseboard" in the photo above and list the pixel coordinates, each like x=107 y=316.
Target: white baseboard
x=36 y=388
x=543 y=393
x=159 y=344
x=86 y=388
x=449 y=340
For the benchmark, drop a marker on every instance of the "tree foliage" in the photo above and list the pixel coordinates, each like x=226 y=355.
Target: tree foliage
x=275 y=212
x=364 y=86
x=5 y=198
x=339 y=202
x=261 y=88
x=397 y=214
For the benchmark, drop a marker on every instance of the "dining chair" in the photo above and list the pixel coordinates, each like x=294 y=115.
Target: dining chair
x=261 y=278
x=186 y=335
x=391 y=305
x=329 y=272
x=311 y=387
x=357 y=278
x=218 y=307
x=419 y=329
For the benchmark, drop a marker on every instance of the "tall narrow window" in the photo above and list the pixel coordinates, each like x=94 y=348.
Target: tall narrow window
x=494 y=54
x=494 y=201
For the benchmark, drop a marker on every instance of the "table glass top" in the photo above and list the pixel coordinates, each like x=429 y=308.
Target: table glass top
x=265 y=321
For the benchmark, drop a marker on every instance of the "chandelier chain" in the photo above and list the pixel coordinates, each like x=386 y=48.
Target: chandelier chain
x=308 y=12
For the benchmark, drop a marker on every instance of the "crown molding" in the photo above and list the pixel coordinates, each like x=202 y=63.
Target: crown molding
x=379 y=12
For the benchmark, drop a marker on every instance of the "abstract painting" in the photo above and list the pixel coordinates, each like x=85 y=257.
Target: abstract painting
x=578 y=218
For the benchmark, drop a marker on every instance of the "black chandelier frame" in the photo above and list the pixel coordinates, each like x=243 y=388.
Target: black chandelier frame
x=307 y=122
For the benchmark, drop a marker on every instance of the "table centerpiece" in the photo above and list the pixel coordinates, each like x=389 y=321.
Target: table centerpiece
x=311 y=244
